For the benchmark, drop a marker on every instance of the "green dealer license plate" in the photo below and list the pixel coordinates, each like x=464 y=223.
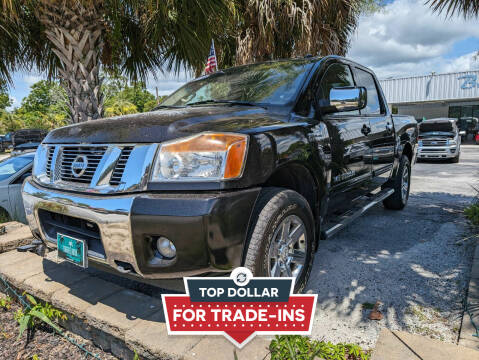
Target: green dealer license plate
x=73 y=250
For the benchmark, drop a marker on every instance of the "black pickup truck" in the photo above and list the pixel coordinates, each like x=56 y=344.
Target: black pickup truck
x=248 y=166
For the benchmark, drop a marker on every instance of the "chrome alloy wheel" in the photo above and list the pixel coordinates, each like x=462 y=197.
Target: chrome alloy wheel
x=405 y=184
x=287 y=251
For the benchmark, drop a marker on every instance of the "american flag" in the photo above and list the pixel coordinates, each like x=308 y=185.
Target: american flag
x=211 y=66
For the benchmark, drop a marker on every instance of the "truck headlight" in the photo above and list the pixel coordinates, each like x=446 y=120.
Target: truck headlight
x=451 y=142
x=202 y=157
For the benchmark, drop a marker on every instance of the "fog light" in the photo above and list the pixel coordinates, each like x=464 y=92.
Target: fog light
x=165 y=247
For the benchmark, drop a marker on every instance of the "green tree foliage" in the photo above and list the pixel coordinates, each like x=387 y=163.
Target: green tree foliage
x=122 y=98
x=73 y=39
x=5 y=100
x=45 y=107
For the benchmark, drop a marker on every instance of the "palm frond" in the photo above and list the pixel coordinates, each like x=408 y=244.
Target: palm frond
x=466 y=8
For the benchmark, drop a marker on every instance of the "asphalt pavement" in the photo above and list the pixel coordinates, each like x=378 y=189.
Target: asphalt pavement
x=414 y=262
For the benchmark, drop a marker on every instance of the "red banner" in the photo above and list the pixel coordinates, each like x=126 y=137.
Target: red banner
x=240 y=320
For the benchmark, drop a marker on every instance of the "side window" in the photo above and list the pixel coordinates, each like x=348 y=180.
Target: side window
x=337 y=75
x=365 y=79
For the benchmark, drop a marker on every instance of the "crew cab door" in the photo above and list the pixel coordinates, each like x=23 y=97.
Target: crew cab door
x=381 y=136
x=348 y=132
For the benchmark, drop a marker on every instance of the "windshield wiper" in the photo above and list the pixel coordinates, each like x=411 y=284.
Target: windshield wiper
x=231 y=102
x=166 y=107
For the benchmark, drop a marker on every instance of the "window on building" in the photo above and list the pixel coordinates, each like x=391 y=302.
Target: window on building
x=465 y=111
x=454 y=112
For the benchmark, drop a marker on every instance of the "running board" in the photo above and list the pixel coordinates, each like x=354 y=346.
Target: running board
x=338 y=223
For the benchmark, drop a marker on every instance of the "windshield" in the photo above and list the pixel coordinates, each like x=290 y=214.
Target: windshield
x=12 y=165
x=273 y=83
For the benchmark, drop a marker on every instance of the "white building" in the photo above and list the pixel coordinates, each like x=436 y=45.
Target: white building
x=452 y=95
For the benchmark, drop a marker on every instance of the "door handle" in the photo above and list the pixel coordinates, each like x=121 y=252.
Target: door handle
x=389 y=128
x=365 y=130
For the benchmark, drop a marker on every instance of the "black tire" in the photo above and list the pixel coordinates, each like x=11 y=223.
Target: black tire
x=455 y=159
x=275 y=205
x=398 y=201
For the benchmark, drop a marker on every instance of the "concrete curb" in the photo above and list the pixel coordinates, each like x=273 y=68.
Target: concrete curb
x=400 y=345
x=116 y=319
x=17 y=235
x=469 y=334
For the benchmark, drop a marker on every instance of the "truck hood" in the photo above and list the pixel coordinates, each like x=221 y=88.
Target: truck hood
x=166 y=124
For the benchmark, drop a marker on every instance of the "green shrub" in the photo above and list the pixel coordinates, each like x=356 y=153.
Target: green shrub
x=39 y=312
x=472 y=213
x=295 y=347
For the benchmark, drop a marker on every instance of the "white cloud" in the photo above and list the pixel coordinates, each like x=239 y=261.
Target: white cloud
x=168 y=82
x=32 y=79
x=406 y=38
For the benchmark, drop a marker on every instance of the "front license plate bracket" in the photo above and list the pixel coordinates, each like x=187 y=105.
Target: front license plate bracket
x=72 y=250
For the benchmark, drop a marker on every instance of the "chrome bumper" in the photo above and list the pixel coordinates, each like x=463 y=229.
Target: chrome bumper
x=110 y=213
x=437 y=152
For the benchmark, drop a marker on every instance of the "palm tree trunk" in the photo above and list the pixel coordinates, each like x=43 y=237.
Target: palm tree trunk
x=75 y=30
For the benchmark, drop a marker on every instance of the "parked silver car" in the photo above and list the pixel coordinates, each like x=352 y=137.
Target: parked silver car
x=439 y=139
x=13 y=171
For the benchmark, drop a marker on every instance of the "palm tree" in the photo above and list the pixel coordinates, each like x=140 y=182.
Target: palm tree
x=72 y=39
x=468 y=8
x=272 y=29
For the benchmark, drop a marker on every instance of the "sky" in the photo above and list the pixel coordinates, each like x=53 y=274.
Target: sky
x=403 y=39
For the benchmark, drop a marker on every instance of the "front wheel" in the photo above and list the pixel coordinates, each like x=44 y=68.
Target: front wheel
x=401 y=186
x=280 y=243
x=455 y=159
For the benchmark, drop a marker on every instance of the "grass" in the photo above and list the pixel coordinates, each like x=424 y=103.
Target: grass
x=295 y=347
x=6 y=303
x=472 y=211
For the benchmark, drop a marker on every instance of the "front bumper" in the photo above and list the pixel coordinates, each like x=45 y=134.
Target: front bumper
x=208 y=229
x=437 y=152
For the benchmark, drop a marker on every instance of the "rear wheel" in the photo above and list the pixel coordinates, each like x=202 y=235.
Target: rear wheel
x=281 y=239
x=401 y=186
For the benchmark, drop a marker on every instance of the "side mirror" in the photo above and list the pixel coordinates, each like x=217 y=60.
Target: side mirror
x=462 y=133
x=348 y=98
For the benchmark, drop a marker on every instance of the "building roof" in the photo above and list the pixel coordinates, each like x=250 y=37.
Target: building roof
x=433 y=87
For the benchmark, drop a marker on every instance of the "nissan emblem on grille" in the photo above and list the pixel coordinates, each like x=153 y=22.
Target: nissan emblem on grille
x=79 y=165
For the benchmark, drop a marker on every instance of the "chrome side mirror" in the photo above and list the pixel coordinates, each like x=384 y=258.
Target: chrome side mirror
x=348 y=98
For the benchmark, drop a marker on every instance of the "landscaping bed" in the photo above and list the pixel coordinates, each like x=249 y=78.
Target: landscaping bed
x=41 y=343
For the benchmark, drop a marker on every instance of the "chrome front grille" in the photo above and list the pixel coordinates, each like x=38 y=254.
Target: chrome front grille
x=109 y=169
x=434 y=142
x=50 y=152
x=69 y=154
x=120 y=165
